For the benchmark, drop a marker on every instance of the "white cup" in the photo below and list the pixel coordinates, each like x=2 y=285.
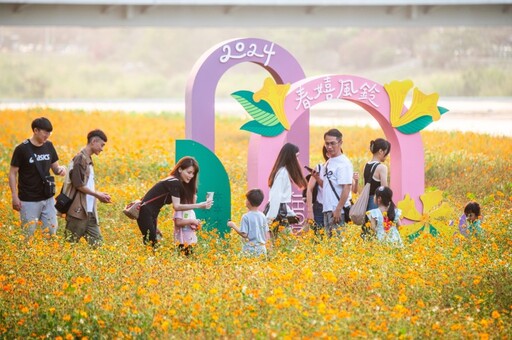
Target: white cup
x=209 y=196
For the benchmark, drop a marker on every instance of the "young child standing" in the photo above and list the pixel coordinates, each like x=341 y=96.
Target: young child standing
x=254 y=225
x=385 y=219
x=185 y=226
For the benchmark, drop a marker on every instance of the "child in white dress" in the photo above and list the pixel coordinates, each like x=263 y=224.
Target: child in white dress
x=385 y=220
x=185 y=227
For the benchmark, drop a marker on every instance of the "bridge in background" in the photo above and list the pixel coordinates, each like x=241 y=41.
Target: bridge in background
x=255 y=13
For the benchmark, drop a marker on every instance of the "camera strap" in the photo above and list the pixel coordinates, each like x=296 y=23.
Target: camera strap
x=330 y=183
x=38 y=166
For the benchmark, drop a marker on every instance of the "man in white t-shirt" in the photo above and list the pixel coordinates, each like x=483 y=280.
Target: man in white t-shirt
x=337 y=183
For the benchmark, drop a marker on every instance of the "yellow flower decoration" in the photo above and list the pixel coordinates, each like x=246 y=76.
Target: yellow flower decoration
x=397 y=91
x=434 y=219
x=422 y=112
x=274 y=94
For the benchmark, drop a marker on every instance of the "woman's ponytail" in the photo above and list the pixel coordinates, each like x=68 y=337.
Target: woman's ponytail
x=391 y=211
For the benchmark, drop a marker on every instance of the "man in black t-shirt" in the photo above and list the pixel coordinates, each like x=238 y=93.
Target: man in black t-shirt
x=26 y=181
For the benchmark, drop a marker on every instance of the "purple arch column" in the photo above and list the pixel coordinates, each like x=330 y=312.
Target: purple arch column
x=200 y=101
x=407 y=154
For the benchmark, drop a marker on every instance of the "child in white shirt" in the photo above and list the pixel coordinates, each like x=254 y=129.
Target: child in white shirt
x=254 y=226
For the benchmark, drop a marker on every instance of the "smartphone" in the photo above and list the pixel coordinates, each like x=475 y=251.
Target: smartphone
x=308 y=168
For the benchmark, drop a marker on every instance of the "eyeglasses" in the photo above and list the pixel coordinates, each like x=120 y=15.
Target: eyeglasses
x=327 y=144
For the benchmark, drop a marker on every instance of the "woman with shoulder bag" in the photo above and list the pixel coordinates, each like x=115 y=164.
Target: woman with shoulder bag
x=285 y=171
x=376 y=173
x=178 y=189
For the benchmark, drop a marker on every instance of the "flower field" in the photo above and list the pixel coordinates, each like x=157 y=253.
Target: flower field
x=444 y=287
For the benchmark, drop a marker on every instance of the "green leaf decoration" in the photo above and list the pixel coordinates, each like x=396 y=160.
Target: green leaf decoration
x=419 y=123
x=442 y=110
x=415 y=235
x=261 y=111
x=260 y=129
x=433 y=231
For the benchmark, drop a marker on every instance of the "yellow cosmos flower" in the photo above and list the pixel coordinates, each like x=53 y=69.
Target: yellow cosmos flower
x=422 y=104
x=274 y=94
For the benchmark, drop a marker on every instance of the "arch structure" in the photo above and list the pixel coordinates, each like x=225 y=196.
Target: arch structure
x=200 y=101
x=407 y=155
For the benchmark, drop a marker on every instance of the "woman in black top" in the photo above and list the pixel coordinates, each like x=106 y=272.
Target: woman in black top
x=178 y=189
x=376 y=174
x=380 y=149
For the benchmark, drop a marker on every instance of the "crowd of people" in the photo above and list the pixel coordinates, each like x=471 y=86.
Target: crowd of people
x=327 y=191
x=33 y=191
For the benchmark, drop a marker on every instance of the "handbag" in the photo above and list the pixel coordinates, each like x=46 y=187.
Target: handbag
x=132 y=209
x=358 y=210
x=63 y=202
x=346 y=211
x=282 y=214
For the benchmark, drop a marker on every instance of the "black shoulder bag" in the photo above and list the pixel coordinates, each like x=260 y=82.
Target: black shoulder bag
x=63 y=202
x=48 y=181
